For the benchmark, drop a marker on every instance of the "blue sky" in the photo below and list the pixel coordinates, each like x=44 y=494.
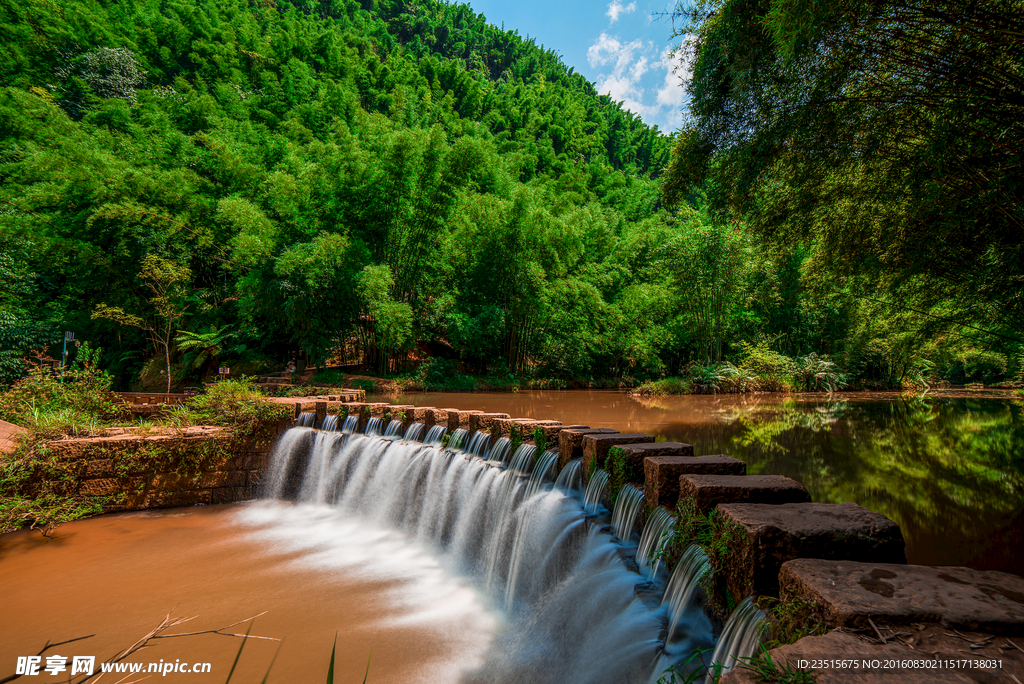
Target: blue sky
x=619 y=45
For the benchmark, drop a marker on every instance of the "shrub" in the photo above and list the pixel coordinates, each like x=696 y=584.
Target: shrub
x=766 y=363
x=818 y=373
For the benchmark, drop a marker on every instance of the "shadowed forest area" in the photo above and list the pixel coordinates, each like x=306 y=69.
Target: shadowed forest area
x=406 y=187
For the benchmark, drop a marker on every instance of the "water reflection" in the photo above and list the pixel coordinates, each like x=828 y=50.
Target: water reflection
x=948 y=469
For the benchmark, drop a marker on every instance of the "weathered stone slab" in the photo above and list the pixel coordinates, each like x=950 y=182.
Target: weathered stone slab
x=551 y=429
x=419 y=414
x=484 y=421
x=707 y=491
x=377 y=410
x=398 y=410
x=570 y=441
x=436 y=416
x=459 y=419
x=596 y=446
x=502 y=427
x=840 y=646
x=661 y=473
x=851 y=593
x=773 y=534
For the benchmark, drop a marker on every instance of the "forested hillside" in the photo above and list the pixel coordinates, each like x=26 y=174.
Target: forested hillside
x=193 y=182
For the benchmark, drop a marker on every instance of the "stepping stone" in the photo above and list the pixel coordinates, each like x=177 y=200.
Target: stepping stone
x=484 y=421
x=595 y=448
x=458 y=419
x=770 y=535
x=570 y=442
x=707 y=491
x=637 y=452
x=419 y=414
x=840 y=646
x=851 y=593
x=551 y=429
x=435 y=416
x=502 y=427
x=661 y=473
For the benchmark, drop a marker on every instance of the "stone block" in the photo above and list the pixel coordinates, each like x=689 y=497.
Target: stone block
x=459 y=419
x=596 y=446
x=223 y=495
x=377 y=410
x=662 y=473
x=850 y=593
x=419 y=414
x=770 y=535
x=847 y=647
x=484 y=421
x=229 y=478
x=707 y=491
x=321 y=412
x=502 y=427
x=397 y=412
x=570 y=442
x=254 y=478
x=435 y=416
x=102 y=467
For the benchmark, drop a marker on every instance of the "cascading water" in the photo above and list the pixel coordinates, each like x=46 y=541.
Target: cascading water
x=350 y=424
x=740 y=637
x=541 y=474
x=479 y=443
x=652 y=541
x=595 y=491
x=374 y=426
x=568 y=599
x=305 y=419
x=522 y=460
x=570 y=480
x=413 y=432
x=435 y=435
x=458 y=440
x=682 y=586
x=330 y=423
x=627 y=510
x=394 y=429
x=499 y=453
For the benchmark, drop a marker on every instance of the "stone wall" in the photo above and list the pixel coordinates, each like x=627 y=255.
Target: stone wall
x=138 y=469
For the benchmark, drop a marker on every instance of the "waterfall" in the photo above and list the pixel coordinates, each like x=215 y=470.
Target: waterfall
x=693 y=565
x=570 y=480
x=435 y=435
x=350 y=424
x=413 y=432
x=330 y=423
x=305 y=419
x=373 y=426
x=571 y=612
x=458 y=440
x=522 y=460
x=595 y=491
x=541 y=474
x=479 y=443
x=394 y=429
x=740 y=637
x=500 y=451
x=652 y=541
x=627 y=510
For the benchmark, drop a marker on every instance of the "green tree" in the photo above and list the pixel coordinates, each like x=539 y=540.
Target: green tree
x=165 y=309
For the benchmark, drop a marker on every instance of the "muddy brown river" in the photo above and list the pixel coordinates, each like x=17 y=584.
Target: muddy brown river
x=948 y=469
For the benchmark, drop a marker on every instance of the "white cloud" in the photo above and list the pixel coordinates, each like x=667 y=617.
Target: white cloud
x=622 y=69
x=616 y=9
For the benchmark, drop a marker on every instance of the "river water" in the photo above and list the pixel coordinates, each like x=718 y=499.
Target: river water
x=949 y=468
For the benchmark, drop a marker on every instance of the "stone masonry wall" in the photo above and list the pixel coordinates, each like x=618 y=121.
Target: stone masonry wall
x=163 y=468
